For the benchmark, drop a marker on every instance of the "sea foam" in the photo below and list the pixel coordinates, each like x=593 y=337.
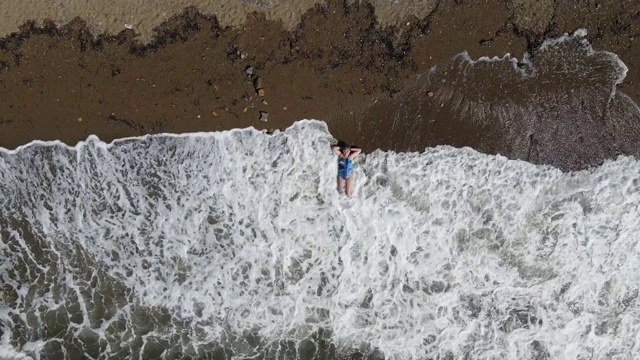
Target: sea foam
x=187 y=244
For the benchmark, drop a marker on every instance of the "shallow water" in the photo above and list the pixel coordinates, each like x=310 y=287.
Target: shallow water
x=237 y=244
x=559 y=106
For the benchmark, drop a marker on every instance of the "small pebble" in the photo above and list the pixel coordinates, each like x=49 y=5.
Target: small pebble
x=257 y=83
x=429 y=93
x=215 y=114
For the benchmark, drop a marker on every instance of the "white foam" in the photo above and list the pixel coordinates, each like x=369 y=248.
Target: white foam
x=448 y=250
x=579 y=34
x=8 y=353
x=526 y=68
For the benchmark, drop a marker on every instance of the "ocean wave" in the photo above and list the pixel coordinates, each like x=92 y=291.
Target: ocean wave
x=238 y=243
x=559 y=106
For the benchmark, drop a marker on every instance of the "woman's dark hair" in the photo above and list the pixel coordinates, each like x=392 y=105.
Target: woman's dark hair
x=344 y=146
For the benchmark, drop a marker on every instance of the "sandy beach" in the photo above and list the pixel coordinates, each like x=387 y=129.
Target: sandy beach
x=130 y=68
x=499 y=221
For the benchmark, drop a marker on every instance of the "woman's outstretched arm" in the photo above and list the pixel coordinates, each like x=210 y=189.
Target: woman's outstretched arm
x=354 y=152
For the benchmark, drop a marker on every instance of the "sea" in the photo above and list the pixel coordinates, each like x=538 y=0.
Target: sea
x=237 y=245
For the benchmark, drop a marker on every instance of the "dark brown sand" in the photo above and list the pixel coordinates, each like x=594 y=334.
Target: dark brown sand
x=336 y=65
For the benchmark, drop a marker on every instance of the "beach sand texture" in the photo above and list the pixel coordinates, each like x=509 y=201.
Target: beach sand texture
x=144 y=16
x=128 y=68
x=111 y=17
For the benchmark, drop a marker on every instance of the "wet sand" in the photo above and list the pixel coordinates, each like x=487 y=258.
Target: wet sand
x=345 y=63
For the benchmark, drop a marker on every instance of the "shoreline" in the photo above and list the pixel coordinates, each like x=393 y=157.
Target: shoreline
x=338 y=65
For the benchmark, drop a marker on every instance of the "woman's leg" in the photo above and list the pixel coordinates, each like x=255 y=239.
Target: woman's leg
x=349 y=185
x=341 y=184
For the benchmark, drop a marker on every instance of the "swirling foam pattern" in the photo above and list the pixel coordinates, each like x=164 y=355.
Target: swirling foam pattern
x=237 y=243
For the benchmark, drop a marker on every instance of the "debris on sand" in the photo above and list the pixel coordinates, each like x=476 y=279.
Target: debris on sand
x=429 y=93
x=257 y=84
x=263 y=116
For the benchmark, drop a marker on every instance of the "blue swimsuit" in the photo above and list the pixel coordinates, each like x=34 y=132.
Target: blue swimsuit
x=345 y=167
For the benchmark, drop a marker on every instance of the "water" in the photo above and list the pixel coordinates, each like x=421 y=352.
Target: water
x=237 y=244
x=560 y=106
